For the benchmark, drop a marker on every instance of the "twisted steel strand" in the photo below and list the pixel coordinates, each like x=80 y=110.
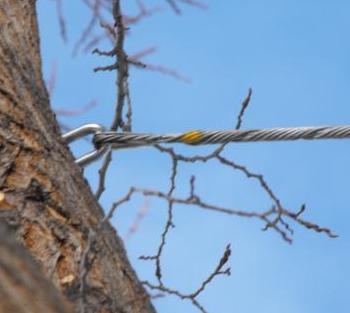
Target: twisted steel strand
x=197 y=137
x=104 y=139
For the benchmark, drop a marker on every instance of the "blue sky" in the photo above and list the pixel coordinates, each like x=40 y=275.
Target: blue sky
x=296 y=57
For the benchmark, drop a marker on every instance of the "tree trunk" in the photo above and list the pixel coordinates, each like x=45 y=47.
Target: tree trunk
x=43 y=194
x=23 y=288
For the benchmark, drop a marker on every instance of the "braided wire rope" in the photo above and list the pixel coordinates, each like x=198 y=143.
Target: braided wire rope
x=197 y=137
x=103 y=140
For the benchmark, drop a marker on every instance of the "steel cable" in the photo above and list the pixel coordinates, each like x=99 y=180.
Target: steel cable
x=197 y=137
x=115 y=140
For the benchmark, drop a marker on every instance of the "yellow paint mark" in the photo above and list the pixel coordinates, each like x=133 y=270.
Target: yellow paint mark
x=2 y=196
x=191 y=137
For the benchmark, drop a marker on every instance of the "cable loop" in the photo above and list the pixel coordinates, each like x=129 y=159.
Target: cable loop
x=80 y=132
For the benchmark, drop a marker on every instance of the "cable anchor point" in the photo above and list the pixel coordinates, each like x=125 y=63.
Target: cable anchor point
x=80 y=132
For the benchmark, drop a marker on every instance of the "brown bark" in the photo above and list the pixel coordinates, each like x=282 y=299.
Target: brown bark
x=23 y=287
x=42 y=192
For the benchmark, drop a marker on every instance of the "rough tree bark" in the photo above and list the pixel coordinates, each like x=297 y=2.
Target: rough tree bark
x=23 y=288
x=43 y=194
